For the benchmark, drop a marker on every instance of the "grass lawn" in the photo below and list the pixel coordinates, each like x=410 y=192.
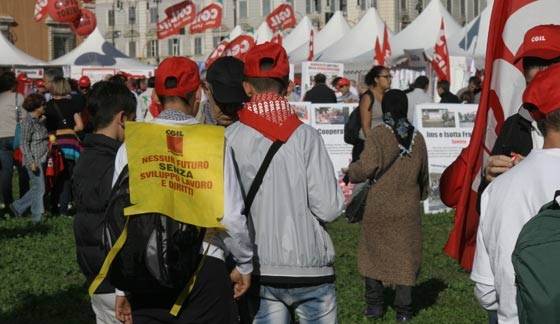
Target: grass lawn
x=40 y=281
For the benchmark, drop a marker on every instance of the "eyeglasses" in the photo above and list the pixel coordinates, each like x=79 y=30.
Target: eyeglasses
x=386 y=76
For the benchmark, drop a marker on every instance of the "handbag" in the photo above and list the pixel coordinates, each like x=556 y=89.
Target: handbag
x=355 y=209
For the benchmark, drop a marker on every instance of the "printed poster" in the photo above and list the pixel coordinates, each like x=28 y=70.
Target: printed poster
x=310 y=69
x=181 y=175
x=447 y=130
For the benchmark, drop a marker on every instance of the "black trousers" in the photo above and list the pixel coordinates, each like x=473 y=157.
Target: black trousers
x=403 y=296
x=210 y=301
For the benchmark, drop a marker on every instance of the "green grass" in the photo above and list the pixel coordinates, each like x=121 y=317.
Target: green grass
x=40 y=281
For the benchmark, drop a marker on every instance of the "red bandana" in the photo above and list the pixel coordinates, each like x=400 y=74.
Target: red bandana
x=271 y=115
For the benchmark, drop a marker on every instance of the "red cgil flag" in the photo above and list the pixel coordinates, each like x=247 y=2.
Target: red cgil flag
x=178 y=16
x=440 y=62
x=40 y=10
x=386 y=45
x=504 y=84
x=378 y=58
x=283 y=16
x=311 y=48
x=208 y=17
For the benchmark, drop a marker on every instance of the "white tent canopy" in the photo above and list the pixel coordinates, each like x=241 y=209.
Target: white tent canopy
x=423 y=31
x=11 y=55
x=298 y=36
x=358 y=45
x=263 y=33
x=96 y=52
x=334 y=30
x=471 y=40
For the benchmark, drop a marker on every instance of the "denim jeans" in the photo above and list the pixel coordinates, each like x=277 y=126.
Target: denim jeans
x=34 y=197
x=403 y=296
x=6 y=169
x=311 y=304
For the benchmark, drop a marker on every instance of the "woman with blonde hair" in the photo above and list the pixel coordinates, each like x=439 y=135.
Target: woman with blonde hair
x=64 y=120
x=390 y=248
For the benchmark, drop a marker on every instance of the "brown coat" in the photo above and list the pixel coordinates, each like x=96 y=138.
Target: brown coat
x=391 y=239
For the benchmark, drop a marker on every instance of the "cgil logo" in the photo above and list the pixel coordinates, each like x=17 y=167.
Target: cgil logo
x=538 y=39
x=174 y=141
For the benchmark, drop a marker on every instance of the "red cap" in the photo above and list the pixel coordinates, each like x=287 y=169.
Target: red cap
x=541 y=96
x=22 y=77
x=343 y=82
x=40 y=83
x=84 y=82
x=272 y=51
x=177 y=76
x=541 y=41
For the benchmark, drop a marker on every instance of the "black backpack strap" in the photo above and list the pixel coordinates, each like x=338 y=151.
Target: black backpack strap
x=260 y=175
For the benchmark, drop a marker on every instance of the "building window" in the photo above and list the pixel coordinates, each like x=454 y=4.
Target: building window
x=198 y=46
x=476 y=8
x=153 y=48
x=153 y=15
x=308 y=7
x=132 y=49
x=111 y=17
x=318 y=5
x=266 y=7
x=174 y=47
x=242 y=8
x=132 y=15
x=449 y=5
x=216 y=40
x=403 y=4
x=366 y=4
x=62 y=43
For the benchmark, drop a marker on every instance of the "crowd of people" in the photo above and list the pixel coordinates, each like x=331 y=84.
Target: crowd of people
x=274 y=260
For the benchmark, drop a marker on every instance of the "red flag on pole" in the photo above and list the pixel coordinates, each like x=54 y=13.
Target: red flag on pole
x=440 y=62
x=504 y=83
x=386 y=45
x=208 y=17
x=40 y=10
x=378 y=58
x=283 y=16
x=178 y=16
x=311 y=49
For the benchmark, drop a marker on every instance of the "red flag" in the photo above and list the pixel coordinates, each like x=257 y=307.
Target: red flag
x=216 y=53
x=277 y=38
x=207 y=18
x=386 y=45
x=504 y=83
x=41 y=10
x=379 y=58
x=178 y=16
x=283 y=16
x=239 y=47
x=311 y=46
x=440 y=62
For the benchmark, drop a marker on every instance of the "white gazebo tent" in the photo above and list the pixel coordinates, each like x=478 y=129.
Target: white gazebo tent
x=10 y=55
x=95 y=53
x=263 y=33
x=334 y=30
x=298 y=36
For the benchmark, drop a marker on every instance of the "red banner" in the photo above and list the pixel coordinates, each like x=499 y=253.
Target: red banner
x=311 y=46
x=178 y=16
x=207 y=18
x=386 y=45
x=504 y=83
x=378 y=59
x=216 y=53
x=440 y=62
x=239 y=47
x=283 y=16
x=41 y=10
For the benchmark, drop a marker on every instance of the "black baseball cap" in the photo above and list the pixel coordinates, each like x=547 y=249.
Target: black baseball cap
x=225 y=75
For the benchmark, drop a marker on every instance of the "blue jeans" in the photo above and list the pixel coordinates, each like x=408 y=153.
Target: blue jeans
x=312 y=305
x=6 y=169
x=34 y=197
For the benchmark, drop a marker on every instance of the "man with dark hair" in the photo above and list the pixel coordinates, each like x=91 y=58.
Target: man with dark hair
x=178 y=90
x=320 y=93
x=298 y=196
x=473 y=87
x=110 y=105
x=529 y=186
x=418 y=95
x=444 y=93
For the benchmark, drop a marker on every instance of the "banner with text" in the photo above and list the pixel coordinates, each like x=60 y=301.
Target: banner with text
x=310 y=69
x=180 y=175
x=178 y=16
x=447 y=130
x=207 y=18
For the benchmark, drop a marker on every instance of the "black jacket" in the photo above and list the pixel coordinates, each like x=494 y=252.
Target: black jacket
x=320 y=93
x=92 y=179
x=448 y=97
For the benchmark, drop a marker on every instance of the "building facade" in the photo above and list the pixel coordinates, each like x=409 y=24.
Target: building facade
x=131 y=24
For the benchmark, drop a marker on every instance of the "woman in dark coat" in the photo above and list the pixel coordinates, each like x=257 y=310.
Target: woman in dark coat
x=390 y=249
